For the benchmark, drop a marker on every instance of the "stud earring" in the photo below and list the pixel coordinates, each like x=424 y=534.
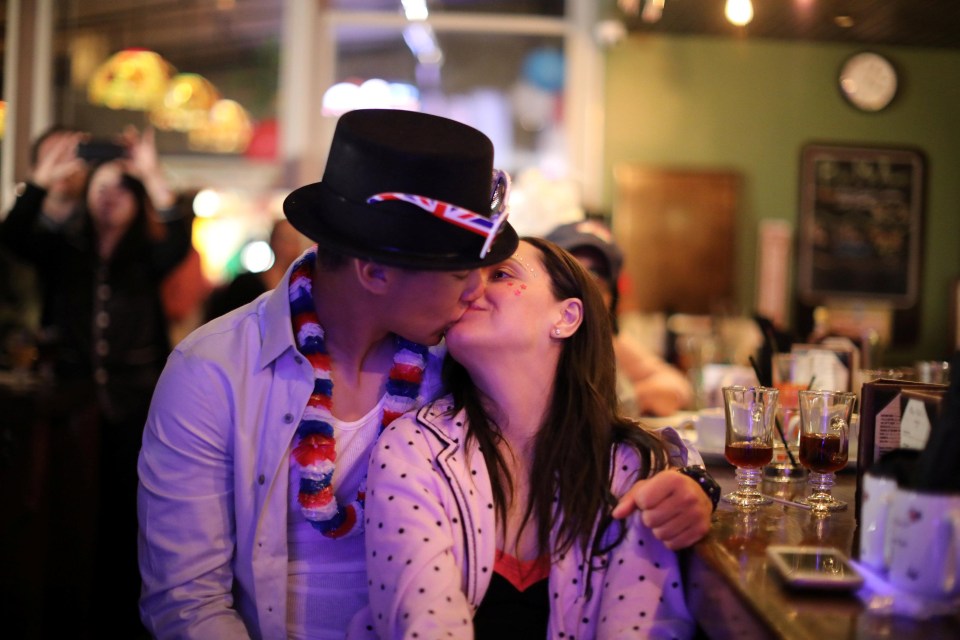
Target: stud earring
x=556 y=332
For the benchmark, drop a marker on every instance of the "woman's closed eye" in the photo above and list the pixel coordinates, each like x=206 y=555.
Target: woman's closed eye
x=506 y=272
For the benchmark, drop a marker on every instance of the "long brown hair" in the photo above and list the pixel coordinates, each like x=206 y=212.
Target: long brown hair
x=572 y=456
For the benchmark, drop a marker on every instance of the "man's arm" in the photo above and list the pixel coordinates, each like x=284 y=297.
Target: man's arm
x=676 y=507
x=185 y=507
x=676 y=503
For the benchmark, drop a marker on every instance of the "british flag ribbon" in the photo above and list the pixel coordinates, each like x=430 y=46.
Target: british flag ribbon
x=450 y=212
x=489 y=228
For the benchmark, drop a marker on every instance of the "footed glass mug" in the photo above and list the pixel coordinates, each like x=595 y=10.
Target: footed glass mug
x=750 y=413
x=824 y=443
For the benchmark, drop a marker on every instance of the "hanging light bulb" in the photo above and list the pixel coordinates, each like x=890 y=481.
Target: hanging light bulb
x=739 y=12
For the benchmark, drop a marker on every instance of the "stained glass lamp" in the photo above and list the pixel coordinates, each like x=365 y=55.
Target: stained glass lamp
x=186 y=103
x=130 y=79
x=228 y=129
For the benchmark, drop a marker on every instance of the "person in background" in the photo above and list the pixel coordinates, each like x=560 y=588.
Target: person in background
x=20 y=294
x=491 y=510
x=185 y=290
x=647 y=384
x=254 y=458
x=287 y=244
x=54 y=163
x=101 y=272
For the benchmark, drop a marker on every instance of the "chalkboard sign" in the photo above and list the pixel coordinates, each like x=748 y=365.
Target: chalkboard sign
x=860 y=224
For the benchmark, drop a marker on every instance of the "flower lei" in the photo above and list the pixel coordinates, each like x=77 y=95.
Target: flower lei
x=315 y=451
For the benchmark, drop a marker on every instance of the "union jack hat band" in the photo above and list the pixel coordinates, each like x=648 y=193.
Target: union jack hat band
x=487 y=226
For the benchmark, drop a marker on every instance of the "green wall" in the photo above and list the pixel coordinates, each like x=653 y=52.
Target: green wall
x=706 y=102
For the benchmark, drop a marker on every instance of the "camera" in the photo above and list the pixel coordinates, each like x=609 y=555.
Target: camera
x=100 y=150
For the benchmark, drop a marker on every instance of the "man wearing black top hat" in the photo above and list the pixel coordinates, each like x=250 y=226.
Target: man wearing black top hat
x=252 y=471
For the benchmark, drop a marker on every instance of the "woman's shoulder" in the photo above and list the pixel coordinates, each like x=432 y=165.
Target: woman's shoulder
x=631 y=457
x=626 y=456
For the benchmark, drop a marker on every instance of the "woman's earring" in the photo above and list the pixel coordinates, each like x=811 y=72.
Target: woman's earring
x=556 y=332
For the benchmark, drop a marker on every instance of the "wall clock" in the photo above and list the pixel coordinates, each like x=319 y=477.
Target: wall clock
x=868 y=81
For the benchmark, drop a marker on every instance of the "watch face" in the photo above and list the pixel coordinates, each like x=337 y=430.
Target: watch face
x=868 y=81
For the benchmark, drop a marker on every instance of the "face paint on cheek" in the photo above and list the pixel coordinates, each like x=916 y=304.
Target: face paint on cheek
x=517 y=292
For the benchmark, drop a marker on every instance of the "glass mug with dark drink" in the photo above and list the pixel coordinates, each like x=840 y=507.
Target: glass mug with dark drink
x=824 y=443
x=750 y=414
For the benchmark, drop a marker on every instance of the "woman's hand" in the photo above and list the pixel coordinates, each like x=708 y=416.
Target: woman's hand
x=672 y=505
x=144 y=164
x=141 y=151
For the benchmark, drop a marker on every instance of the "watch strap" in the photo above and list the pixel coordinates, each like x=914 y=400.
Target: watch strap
x=706 y=482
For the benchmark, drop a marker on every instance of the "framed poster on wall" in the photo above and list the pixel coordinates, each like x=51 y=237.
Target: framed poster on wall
x=860 y=224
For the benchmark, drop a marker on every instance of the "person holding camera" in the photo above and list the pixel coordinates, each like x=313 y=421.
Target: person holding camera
x=103 y=323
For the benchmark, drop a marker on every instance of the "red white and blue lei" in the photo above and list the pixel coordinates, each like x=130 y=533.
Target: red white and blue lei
x=315 y=451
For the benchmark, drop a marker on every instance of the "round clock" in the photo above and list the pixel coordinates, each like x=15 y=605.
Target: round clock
x=868 y=81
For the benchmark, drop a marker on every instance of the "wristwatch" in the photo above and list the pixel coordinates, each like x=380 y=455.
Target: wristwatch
x=710 y=486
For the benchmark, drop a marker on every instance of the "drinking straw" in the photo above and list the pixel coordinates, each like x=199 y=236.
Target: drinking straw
x=789 y=503
x=776 y=421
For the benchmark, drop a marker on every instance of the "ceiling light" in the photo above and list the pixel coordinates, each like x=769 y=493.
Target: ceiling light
x=415 y=9
x=843 y=21
x=739 y=12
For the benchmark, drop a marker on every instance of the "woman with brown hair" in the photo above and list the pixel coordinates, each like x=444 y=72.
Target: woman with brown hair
x=491 y=511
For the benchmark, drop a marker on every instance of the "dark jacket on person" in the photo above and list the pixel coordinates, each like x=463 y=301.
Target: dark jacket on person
x=104 y=318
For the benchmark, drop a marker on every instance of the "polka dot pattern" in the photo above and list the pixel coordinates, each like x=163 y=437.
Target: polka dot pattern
x=427 y=563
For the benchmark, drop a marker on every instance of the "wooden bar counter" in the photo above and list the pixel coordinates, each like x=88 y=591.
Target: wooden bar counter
x=734 y=592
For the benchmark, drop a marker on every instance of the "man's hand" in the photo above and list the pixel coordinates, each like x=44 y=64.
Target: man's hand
x=672 y=504
x=58 y=160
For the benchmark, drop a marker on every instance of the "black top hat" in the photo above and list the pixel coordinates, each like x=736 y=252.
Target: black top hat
x=407 y=189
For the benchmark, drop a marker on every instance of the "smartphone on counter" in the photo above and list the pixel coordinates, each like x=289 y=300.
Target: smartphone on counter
x=100 y=150
x=814 y=567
